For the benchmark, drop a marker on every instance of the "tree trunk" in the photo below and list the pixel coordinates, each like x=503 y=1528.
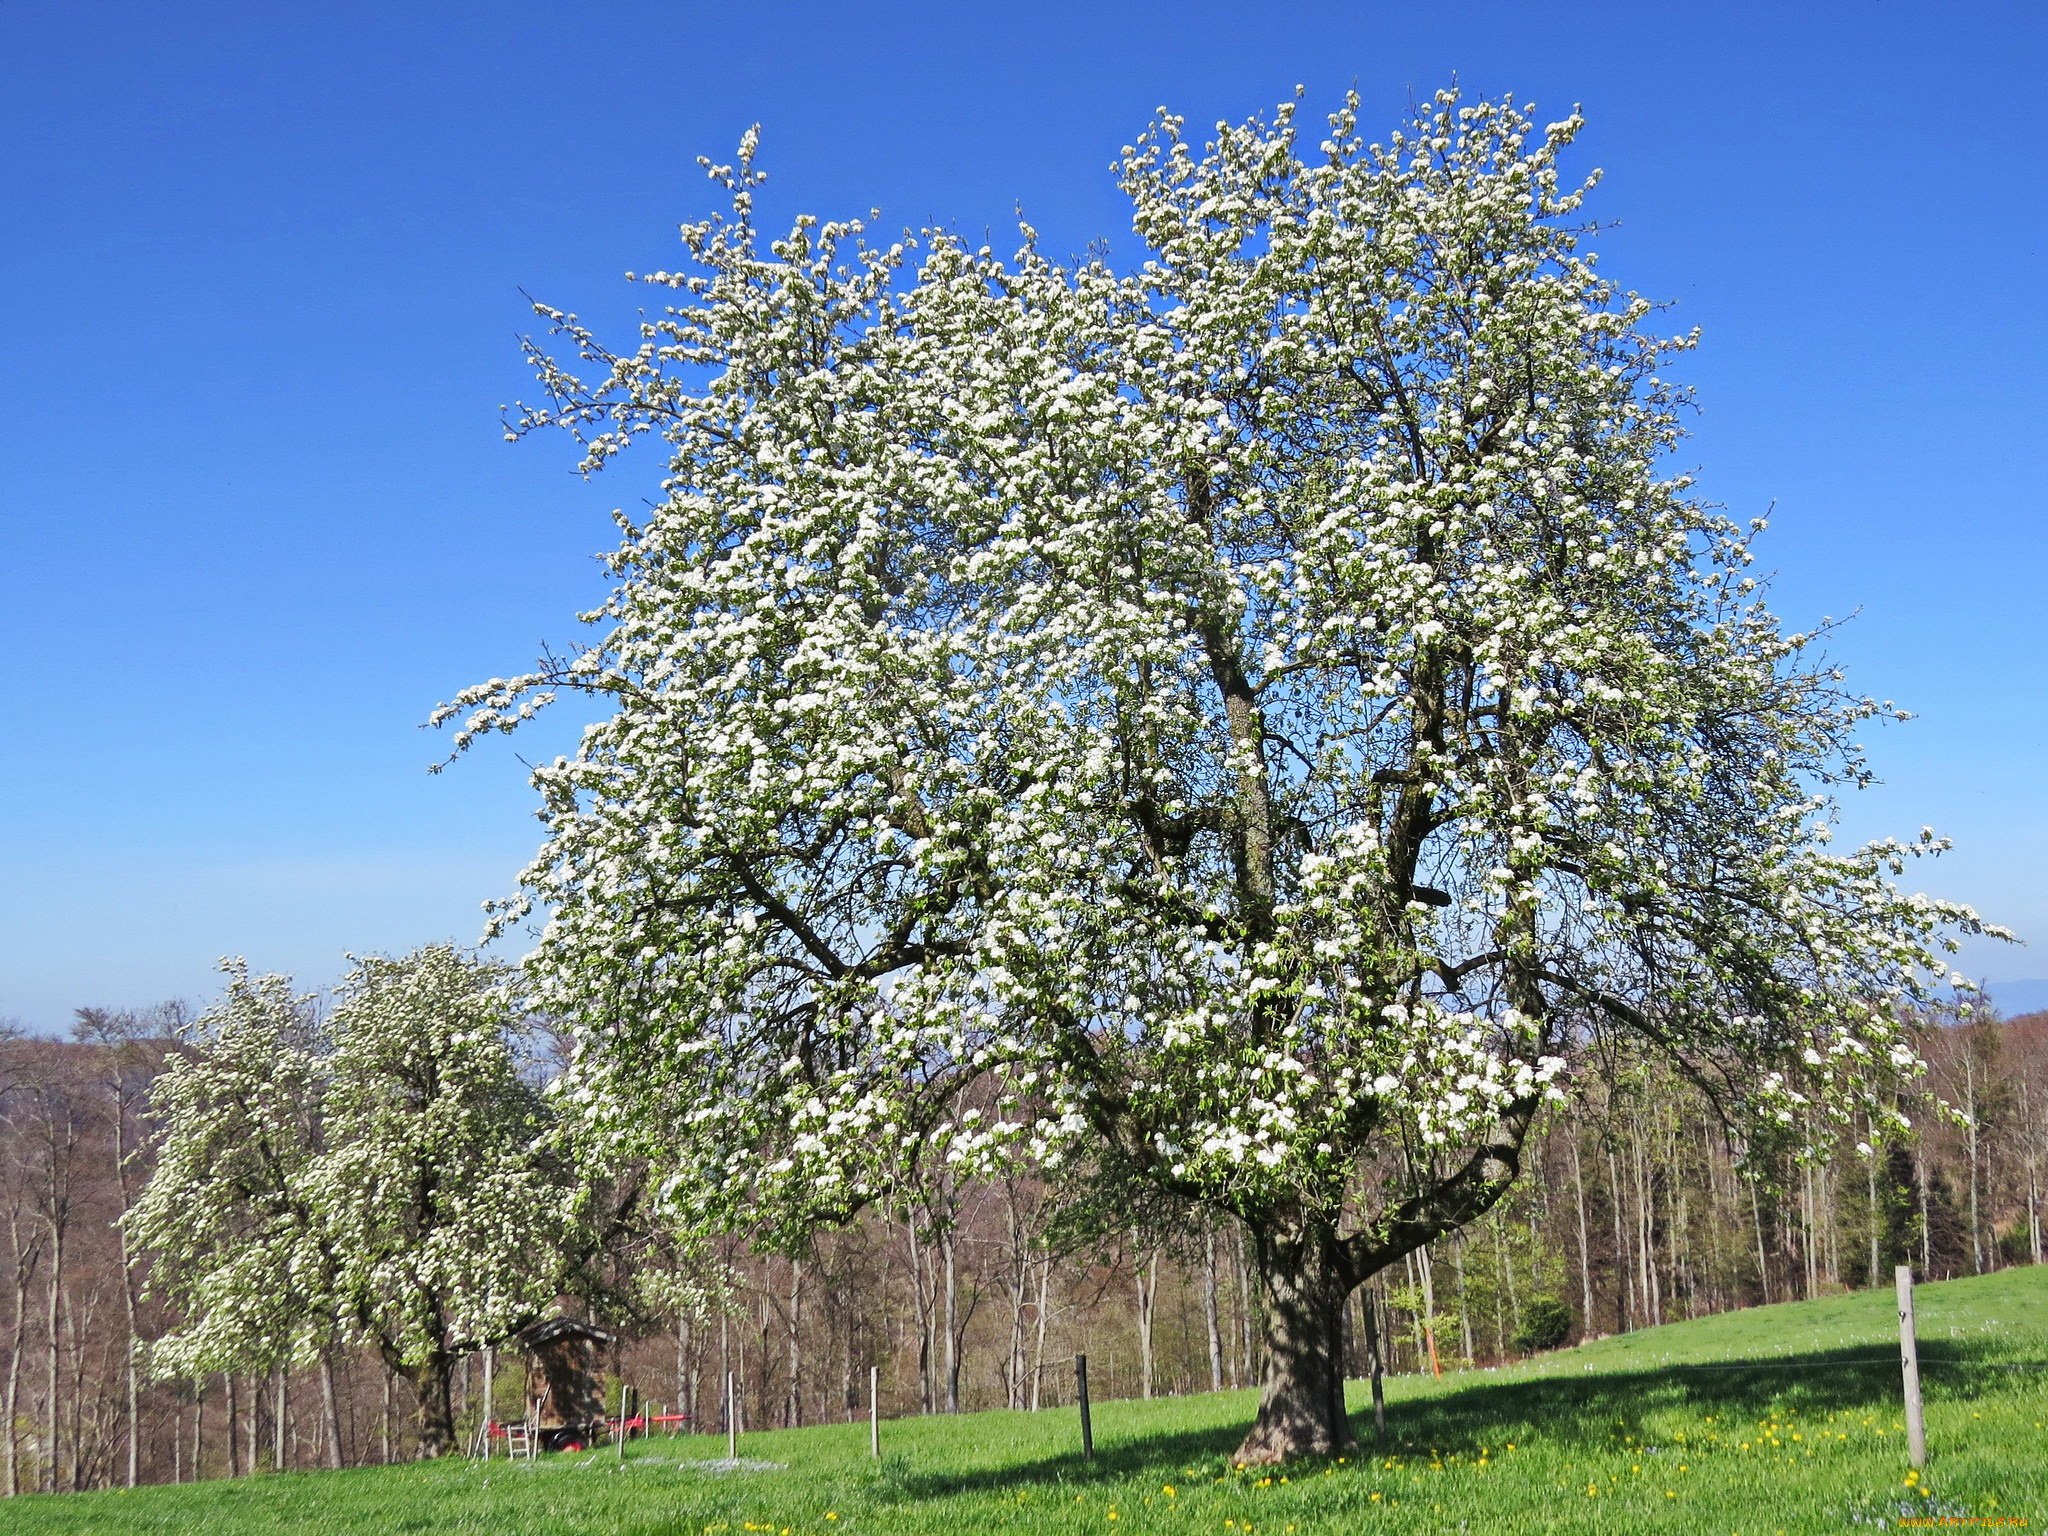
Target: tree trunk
x=1044 y=1310
x=26 y=1257
x=1970 y=1111
x=127 y=1272
x=52 y=1459
x=1019 y=1281
x=1502 y=1247
x=1646 y=1238
x=1370 y=1321
x=1146 y=1272
x=1209 y=1304
x=1809 y=1229
x=1926 y=1227
x=1763 y=1268
x=724 y=1388
x=954 y=1325
x=923 y=1303
x=1464 y=1304
x=1424 y=1265
x=687 y=1369
x=1624 y=1262
x=331 y=1407
x=2032 y=1142
x=2033 y=1176
x=1242 y=1364
x=431 y=1383
x=1301 y=1401
x=1585 y=1247
x=234 y=1424
x=793 y=1410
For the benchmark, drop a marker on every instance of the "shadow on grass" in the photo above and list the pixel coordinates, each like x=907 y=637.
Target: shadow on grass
x=1577 y=1414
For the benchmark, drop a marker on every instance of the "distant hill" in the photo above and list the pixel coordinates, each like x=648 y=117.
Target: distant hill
x=2017 y=997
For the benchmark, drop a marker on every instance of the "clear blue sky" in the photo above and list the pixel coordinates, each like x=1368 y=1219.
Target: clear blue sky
x=262 y=268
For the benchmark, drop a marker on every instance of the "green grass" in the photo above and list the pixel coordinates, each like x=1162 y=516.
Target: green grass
x=1626 y=1434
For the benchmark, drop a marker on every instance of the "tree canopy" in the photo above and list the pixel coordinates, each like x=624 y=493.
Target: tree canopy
x=384 y=1177
x=1261 y=717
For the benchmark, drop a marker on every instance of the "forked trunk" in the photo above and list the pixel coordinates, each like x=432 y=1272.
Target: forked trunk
x=1301 y=1404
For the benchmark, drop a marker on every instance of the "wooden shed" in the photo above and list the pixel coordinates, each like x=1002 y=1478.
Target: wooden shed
x=565 y=1382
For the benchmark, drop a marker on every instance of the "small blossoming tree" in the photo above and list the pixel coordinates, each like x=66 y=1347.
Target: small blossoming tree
x=384 y=1179
x=1255 y=718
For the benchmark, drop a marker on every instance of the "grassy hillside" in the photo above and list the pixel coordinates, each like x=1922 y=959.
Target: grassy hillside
x=1766 y=1421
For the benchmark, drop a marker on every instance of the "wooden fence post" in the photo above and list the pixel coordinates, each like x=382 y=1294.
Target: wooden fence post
x=874 y=1411
x=1087 y=1429
x=1909 y=1359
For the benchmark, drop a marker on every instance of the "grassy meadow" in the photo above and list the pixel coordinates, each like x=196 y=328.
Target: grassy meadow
x=1764 y=1421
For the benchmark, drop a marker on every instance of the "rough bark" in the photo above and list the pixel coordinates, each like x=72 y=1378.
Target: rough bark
x=1306 y=1281
x=430 y=1383
x=1308 y=1271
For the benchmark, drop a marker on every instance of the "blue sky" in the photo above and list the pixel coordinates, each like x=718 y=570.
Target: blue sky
x=264 y=265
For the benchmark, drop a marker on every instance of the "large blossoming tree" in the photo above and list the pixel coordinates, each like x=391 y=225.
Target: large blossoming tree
x=1253 y=719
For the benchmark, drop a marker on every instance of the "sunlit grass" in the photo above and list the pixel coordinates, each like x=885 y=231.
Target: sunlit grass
x=1626 y=1434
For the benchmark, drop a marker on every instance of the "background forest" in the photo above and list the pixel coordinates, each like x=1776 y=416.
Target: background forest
x=1632 y=1212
